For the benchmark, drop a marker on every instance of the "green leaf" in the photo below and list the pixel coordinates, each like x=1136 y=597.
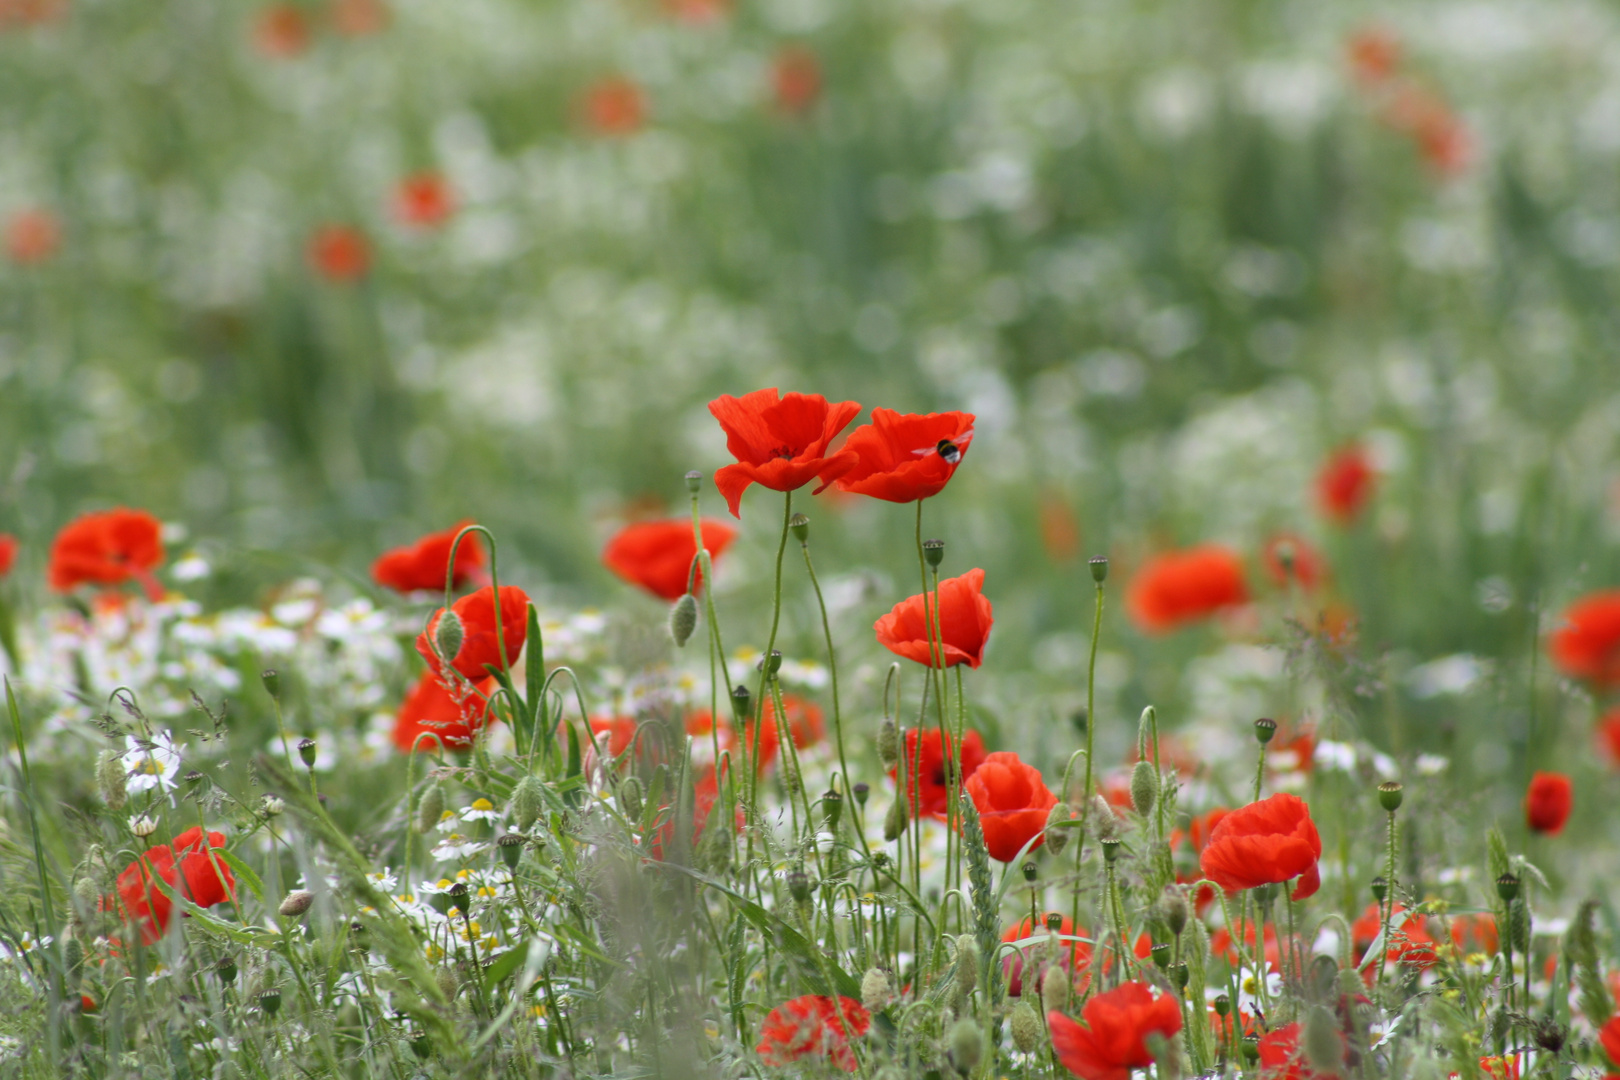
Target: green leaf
x=534 y=677
x=503 y=967
x=243 y=871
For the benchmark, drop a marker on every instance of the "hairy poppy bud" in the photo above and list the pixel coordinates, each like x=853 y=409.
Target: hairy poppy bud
x=894 y=826
x=306 y=752
x=832 y=807
x=1174 y=908
x=967 y=963
x=862 y=791
x=528 y=800
x=1055 y=988
x=448 y=636
x=694 y=480
x=967 y=1045
x=143 y=826
x=888 y=743
x=430 y=808
x=875 y=991
x=1389 y=795
x=800 y=526
x=270 y=1001
x=630 y=797
x=449 y=984
x=741 y=700
x=225 y=968
x=112 y=779
x=1103 y=823
x=1026 y=1028
x=1144 y=786
x=683 y=619
x=298 y=901
x=1264 y=729
x=1323 y=1046
x=272 y=682
x=86 y=896
x=798 y=883
x=1507 y=887
x=1057 y=838
x=73 y=958
x=510 y=845
x=934 y=552
x=1099 y=568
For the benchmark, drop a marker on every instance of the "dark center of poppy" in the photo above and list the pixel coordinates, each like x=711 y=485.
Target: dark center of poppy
x=785 y=452
x=949 y=451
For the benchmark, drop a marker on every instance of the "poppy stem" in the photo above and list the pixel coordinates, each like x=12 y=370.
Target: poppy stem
x=1091 y=727
x=717 y=658
x=1388 y=903
x=832 y=668
x=951 y=752
x=764 y=671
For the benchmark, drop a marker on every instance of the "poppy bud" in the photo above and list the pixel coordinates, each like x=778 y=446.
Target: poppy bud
x=630 y=797
x=875 y=991
x=694 y=480
x=1264 y=729
x=298 y=901
x=967 y=964
x=73 y=958
x=431 y=807
x=1099 y=568
x=683 y=619
x=272 y=805
x=1507 y=887
x=1180 y=975
x=1389 y=795
x=1026 y=1028
x=1057 y=838
x=143 y=826
x=510 y=845
x=1380 y=888
x=1161 y=955
x=888 y=743
x=1110 y=848
x=225 y=968
x=270 y=1001
x=832 y=807
x=894 y=826
x=1144 y=786
x=1031 y=871
x=86 y=895
x=448 y=635
x=112 y=779
x=1105 y=825
x=528 y=799
x=1174 y=908
x=880 y=861
x=1321 y=1042
x=1055 y=988
x=800 y=526
x=741 y=700
x=272 y=682
x=967 y=1045
x=798 y=883
x=449 y=985
x=306 y=752
x=771 y=663
x=934 y=552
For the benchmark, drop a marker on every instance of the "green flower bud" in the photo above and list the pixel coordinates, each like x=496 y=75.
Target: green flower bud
x=876 y=993
x=1144 y=786
x=1026 y=1028
x=528 y=801
x=967 y=963
x=630 y=797
x=297 y=902
x=863 y=791
x=967 y=1045
x=430 y=808
x=1057 y=838
x=683 y=618
x=448 y=635
x=894 y=826
x=888 y=743
x=1174 y=908
x=112 y=779
x=1055 y=988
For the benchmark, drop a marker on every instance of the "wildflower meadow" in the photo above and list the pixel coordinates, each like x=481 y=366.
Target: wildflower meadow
x=793 y=538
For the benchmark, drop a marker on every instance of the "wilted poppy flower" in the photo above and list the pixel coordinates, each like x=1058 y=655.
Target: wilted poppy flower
x=281 y=31
x=478 y=641
x=960 y=628
x=8 y=553
x=780 y=441
x=905 y=457
x=1013 y=801
x=1374 y=53
x=424 y=564
x=1345 y=483
x=1281 y=1057
x=339 y=253
x=432 y=719
x=1269 y=841
x=1179 y=587
x=657 y=555
x=1548 y=802
x=615 y=106
x=359 y=18
x=1587 y=641
x=1288 y=559
x=32 y=236
x=926 y=773
x=1114 y=1038
x=108 y=548
x=813 y=1026
x=423 y=200
x=795 y=78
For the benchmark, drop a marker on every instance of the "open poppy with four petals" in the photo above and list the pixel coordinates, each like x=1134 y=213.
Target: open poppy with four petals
x=1113 y=1040
x=959 y=631
x=780 y=441
x=1263 y=843
x=903 y=457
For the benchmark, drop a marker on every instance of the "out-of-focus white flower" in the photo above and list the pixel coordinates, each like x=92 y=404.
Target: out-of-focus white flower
x=192 y=567
x=1431 y=764
x=481 y=810
x=150 y=763
x=1455 y=674
x=1335 y=755
x=456 y=847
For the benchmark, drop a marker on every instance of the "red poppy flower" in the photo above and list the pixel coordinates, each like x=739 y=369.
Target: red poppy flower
x=1012 y=801
x=359 y=18
x=657 y=555
x=905 y=457
x=697 y=11
x=1609 y=1036
x=1223 y=943
x=1409 y=938
x=1345 y=483
x=478 y=641
x=1548 y=802
x=1282 y=1059
x=108 y=548
x=200 y=876
x=1474 y=933
x=1269 y=841
x=1374 y=54
x=1587 y=641
x=339 y=253
x=1179 y=587
x=614 y=734
x=960 y=628
x=1071 y=956
x=780 y=441
x=705 y=793
x=1113 y=1040
x=8 y=553
x=422 y=565
x=1608 y=728
x=423 y=200
x=1200 y=829
x=32 y=236
x=926 y=773
x=615 y=106
x=432 y=719
x=1288 y=559
x=282 y=31
x=207 y=878
x=813 y=1026
x=804 y=720
x=795 y=78
x=1059 y=528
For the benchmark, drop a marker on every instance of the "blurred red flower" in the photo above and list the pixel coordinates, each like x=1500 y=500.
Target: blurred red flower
x=282 y=31
x=1374 y=53
x=961 y=624
x=1287 y=558
x=1113 y=1040
x=1222 y=943
x=1071 y=956
x=430 y=713
x=33 y=235
x=1013 y=801
x=795 y=78
x=1179 y=587
x=359 y=18
x=905 y=457
x=339 y=253
x=1269 y=841
x=424 y=200
x=15 y=13
x=207 y=878
x=1587 y=641
x=1345 y=483
x=657 y=555
x=8 y=553
x=1282 y=1059
x=1201 y=828
x=1474 y=933
x=478 y=641
x=615 y=106
x=1608 y=726
x=1060 y=529
x=423 y=565
x=1409 y=938
x=780 y=441
x=804 y=720
x=813 y=1026
x=106 y=549
x=613 y=734
x=1548 y=802
x=926 y=773
x=1609 y=1036
x=697 y=11
x=199 y=876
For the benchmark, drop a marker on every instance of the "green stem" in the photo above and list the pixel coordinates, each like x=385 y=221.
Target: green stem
x=838 y=716
x=1091 y=727
x=770 y=646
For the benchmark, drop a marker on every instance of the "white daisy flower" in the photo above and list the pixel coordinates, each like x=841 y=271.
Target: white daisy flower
x=151 y=763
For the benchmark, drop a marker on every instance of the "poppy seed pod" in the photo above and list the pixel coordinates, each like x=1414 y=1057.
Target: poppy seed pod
x=272 y=682
x=888 y=743
x=1144 y=786
x=694 y=481
x=1031 y=871
x=449 y=635
x=741 y=702
x=297 y=902
x=1180 y=974
x=862 y=791
x=226 y=969
x=1222 y=1005
x=967 y=1045
x=1389 y=795
x=798 y=883
x=1057 y=838
x=1161 y=955
x=510 y=845
x=875 y=990
x=528 y=800
x=1264 y=729
x=799 y=525
x=894 y=826
x=113 y=780
x=934 y=552
x=1026 y=1027
x=306 y=752
x=1380 y=888
x=683 y=616
x=832 y=808
x=270 y=1001
x=1507 y=887
x=1055 y=988
x=430 y=808
x=1099 y=568
x=1110 y=848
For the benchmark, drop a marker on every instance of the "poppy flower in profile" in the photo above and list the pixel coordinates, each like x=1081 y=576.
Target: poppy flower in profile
x=1548 y=802
x=424 y=564
x=813 y=1026
x=282 y=31
x=8 y=553
x=905 y=457
x=478 y=640
x=423 y=200
x=32 y=236
x=1345 y=483
x=780 y=441
x=615 y=106
x=339 y=253
x=1013 y=801
x=1113 y=1040
x=432 y=719
x=188 y=869
x=960 y=627
x=1181 y=587
x=1374 y=52
x=206 y=878
x=1265 y=842
x=925 y=769
x=108 y=548
x=1586 y=644
x=657 y=555
x=795 y=78
x=1289 y=560
x=359 y=18
x=1282 y=1058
